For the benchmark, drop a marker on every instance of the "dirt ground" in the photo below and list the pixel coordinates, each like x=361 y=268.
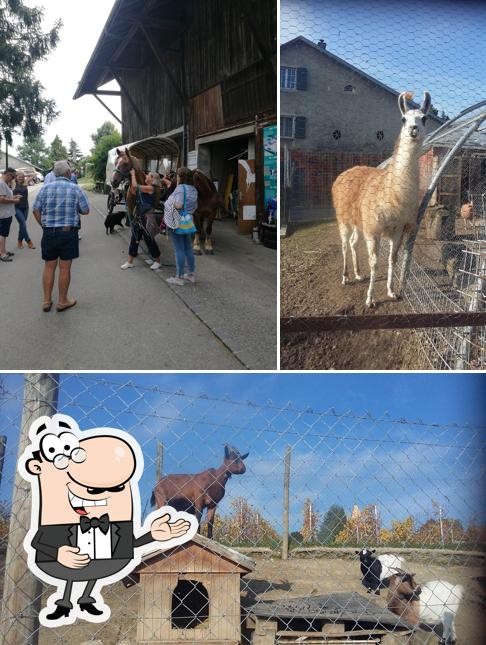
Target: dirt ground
x=273 y=579
x=310 y=285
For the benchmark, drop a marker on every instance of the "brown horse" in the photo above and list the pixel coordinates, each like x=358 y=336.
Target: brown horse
x=194 y=493
x=123 y=165
x=208 y=202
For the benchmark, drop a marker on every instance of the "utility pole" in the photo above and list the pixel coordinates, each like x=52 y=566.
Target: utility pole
x=285 y=541
x=22 y=590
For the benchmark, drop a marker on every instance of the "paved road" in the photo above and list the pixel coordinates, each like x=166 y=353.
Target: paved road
x=133 y=320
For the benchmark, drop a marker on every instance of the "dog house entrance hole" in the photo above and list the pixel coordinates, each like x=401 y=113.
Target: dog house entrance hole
x=190 y=604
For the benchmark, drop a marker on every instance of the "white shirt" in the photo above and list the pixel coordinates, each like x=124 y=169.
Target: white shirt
x=95 y=543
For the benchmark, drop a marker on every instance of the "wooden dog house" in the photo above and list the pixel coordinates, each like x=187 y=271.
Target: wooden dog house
x=190 y=594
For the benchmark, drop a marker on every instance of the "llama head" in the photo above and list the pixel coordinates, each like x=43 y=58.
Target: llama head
x=414 y=120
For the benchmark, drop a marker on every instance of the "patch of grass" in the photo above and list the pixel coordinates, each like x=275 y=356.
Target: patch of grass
x=87 y=183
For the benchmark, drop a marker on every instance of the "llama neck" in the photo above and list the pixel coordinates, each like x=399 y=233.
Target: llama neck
x=403 y=172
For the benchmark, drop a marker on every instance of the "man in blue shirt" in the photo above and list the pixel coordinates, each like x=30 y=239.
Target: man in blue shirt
x=57 y=208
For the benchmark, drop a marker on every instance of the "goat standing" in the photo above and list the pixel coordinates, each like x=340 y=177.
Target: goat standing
x=436 y=601
x=377 y=569
x=204 y=490
x=382 y=202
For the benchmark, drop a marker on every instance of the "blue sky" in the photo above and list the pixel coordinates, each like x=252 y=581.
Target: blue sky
x=413 y=45
x=352 y=454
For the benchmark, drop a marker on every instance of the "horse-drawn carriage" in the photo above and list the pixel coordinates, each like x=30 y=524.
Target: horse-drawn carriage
x=159 y=154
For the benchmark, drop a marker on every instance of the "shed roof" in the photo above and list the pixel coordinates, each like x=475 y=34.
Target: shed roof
x=340 y=61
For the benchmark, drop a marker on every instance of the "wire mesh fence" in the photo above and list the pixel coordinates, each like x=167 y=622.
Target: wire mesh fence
x=347 y=102
x=315 y=488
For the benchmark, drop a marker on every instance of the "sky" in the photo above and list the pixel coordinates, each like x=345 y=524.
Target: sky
x=345 y=448
x=434 y=45
x=62 y=70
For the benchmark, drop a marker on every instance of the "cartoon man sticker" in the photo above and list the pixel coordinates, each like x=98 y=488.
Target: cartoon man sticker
x=85 y=523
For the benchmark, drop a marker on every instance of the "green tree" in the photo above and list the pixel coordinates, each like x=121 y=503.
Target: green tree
x=333 y=522
x=105 y=130
x=99 y=155
x=23 y=107
x=57 y=150
x=74 y=153
x=35 y=151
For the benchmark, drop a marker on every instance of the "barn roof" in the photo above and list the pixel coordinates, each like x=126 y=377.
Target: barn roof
x=340 y=61
x=111 y=54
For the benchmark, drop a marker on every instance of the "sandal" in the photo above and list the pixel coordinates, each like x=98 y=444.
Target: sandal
x=47 y=306
x=68 y=305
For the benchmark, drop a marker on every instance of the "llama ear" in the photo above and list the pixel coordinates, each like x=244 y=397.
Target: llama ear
x=427 y=102
x=402 y=103
x=226 y=452
x=118 y=152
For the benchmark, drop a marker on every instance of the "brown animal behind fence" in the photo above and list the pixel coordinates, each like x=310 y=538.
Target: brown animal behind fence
x=204 y=490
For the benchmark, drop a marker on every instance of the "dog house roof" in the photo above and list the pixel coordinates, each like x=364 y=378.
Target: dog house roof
x=200 y=555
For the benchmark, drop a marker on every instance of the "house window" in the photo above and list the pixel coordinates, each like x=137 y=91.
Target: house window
x=287 y=127
x=190 y=605
x=380 y=135
x=293 y=78
x=288 y=78
x=349 y=88
x=336 y=134
x=293 y=127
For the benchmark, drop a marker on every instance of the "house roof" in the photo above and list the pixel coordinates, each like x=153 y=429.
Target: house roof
x=340 y=61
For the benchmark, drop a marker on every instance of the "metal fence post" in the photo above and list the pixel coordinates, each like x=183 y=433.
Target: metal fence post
x=22 y=590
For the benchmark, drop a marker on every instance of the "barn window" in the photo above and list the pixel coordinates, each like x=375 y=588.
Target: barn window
x=190 y=605
x=349 y=88
x=380 y=135
x=336 y=134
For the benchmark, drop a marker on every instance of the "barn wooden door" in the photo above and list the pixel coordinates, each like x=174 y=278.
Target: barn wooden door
x=247 y=200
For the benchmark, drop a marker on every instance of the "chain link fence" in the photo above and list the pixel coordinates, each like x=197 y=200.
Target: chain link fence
x=282 y=566
x=339 y=87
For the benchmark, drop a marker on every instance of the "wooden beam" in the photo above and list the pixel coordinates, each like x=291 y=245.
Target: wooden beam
x=164 y=67
x=107 y=108
x=269 y=58
x=315 y=324
x=129 y=98
x=107 y=93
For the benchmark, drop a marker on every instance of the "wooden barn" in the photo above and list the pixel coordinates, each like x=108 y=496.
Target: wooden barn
x=191 y=594
x=202 y=72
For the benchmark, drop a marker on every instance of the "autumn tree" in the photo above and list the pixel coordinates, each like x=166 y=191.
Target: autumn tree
x=360 y=528
x=245 y=525
x=401 y=532
x=23 y=106
x=333 y=522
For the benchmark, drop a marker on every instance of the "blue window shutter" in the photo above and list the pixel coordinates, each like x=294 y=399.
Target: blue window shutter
x=300 y=123
x=301 y=78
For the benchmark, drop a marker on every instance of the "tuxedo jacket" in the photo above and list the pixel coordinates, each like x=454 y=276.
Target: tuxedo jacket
x=50 y=537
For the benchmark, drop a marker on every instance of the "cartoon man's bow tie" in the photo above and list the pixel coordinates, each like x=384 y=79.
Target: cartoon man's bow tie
x=102 y=523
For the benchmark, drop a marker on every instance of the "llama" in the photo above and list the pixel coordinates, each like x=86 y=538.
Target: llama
x=382 y=202
x=436 y=601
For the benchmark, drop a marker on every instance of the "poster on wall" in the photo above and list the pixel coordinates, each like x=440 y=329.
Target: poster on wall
x=270 y=162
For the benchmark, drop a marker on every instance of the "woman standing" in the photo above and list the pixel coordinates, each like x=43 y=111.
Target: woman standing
x=149 y=197
x=184 y=201
x=22 y=211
